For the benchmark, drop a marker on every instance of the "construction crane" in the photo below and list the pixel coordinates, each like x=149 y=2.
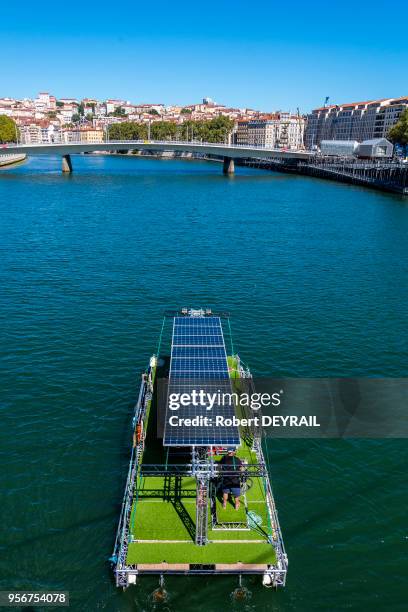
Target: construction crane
x=299 y=119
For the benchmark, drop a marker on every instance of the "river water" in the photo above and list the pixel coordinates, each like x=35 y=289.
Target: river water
x=314 y=275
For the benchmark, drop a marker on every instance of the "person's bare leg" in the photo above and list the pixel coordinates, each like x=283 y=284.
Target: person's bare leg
x=237 y=503
x=224 y=500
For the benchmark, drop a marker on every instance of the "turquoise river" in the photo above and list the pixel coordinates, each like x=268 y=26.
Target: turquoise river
x=314 y=275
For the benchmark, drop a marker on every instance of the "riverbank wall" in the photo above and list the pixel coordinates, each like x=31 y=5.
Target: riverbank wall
x=383 y=175
x=9 y=159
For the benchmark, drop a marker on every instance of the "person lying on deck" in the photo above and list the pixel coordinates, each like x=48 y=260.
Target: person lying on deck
x=231 y=482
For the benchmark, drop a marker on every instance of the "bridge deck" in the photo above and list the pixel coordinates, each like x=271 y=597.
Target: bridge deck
x=206 y=148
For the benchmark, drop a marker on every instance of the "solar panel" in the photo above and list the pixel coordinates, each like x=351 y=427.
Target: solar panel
x=199 y=352
x=199 y=362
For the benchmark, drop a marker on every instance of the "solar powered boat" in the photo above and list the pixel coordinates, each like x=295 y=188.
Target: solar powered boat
x=173 y=520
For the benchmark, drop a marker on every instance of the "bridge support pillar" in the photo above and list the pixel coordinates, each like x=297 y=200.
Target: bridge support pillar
x=228 y=165
x=66 y=163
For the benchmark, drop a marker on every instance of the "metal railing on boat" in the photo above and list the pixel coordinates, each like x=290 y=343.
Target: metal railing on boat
x=155 y=469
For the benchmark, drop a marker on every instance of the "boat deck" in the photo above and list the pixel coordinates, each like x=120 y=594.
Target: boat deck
x=158 y=530
x=163 y=523
x=163 y=526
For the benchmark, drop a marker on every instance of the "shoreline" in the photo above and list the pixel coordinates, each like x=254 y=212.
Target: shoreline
x=8 y=160
x=273 y=166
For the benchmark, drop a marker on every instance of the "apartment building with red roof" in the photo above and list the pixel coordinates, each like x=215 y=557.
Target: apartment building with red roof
x=353 y=120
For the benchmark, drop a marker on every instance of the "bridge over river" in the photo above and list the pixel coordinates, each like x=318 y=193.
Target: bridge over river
x=228 y=152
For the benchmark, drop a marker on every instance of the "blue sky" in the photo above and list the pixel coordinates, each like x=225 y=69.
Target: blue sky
x=263 y=55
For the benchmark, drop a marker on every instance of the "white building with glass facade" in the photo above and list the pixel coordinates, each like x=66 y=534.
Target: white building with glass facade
x=353 y=121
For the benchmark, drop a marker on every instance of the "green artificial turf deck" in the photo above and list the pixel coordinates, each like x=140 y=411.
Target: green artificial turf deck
x=230 y=515
x=157 y=520
x=209 y=554
x=165 y=509
x=233 y=366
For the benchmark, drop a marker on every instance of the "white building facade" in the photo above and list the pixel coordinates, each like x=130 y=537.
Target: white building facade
x=353 y=121
x=282 y=131
x=37 y=134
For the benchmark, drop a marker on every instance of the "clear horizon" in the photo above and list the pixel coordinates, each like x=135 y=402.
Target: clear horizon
x=273 y=58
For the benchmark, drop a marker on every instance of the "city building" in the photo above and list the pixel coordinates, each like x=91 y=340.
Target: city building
x=76 y=134
x=145 y=108
x=112 y=105
x=39 y=133
x=68 y=101
x=6 y=104
x=66 y=113
x=353 y=121
x=91 y=135
x=45 y=109
x=70 y=135
x=277 y=131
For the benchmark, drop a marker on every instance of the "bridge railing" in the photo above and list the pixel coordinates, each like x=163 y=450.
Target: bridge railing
x=194 y=143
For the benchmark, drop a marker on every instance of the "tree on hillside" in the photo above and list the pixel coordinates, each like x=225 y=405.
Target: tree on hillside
x=128 y=130
x=152 y=111
x=215 y=130
x=399 y=132
x=220 y=127
x=163 y=130
x=8 y=129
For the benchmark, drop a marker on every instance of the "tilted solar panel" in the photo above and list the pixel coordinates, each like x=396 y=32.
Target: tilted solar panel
x=198 y=351
x=199 y=363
